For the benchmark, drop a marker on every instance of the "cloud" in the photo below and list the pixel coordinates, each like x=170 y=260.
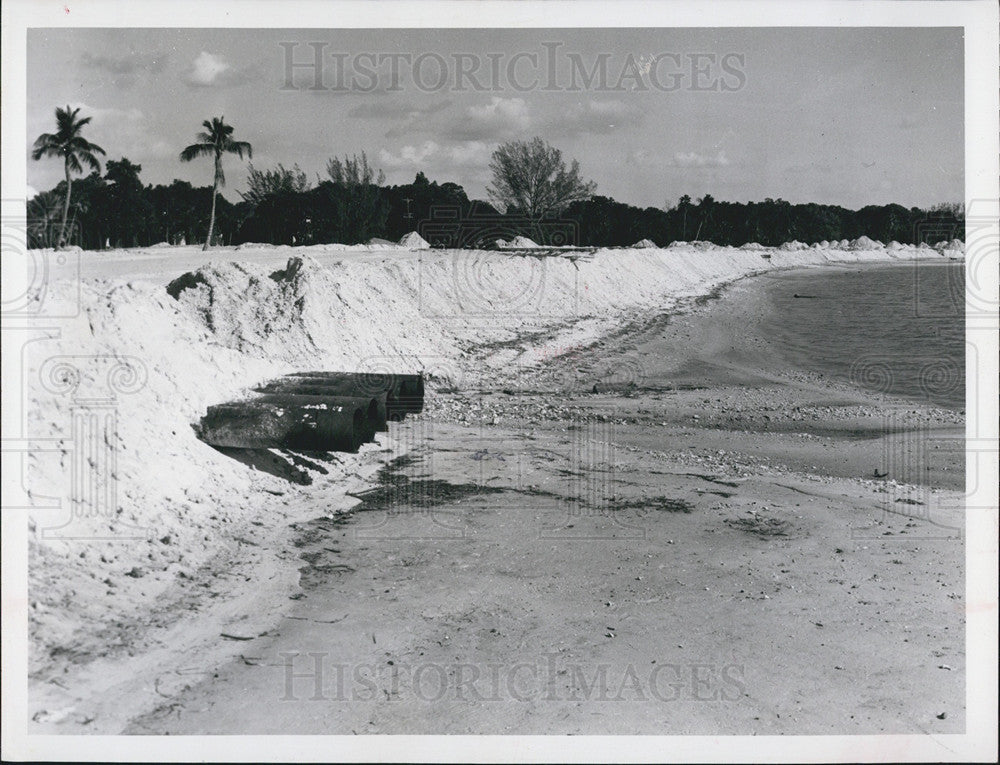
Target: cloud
x=126 y=70
x=694 y=159
x=206 y=69
x=597 y=117
x=471 y=154
x=125 y=133
x=687 y=160
x=128 y=65
x=409 y=156
x=211 y=70
x=499 y=119
x=32 y=191
x=108 y=117
x=463 y=154
x=395 y=110
x=410 y=117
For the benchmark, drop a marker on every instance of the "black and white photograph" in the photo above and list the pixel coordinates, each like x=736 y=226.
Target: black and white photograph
x=532 y=381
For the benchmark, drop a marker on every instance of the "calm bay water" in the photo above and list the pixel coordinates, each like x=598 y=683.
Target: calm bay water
x=898 y=330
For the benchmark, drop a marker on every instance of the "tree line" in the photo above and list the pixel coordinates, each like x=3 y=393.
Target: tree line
x=534 y=193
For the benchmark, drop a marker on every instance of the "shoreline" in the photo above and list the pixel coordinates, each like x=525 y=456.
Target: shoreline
x=335 y=500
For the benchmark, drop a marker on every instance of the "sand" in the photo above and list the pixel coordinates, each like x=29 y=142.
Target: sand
x=105 y=654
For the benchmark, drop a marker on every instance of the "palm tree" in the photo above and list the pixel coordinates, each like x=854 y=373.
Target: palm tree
x=67 y=142
x=214 y=142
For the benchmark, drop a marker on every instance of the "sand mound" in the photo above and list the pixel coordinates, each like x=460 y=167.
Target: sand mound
x=376 y=242
x=413 y=241
x=753 y=246
x=793 y=246
x=864 y=243
x=643 y=244
x=954 y=245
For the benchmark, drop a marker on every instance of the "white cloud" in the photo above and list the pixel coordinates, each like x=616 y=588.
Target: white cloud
x=107 y=117
x=32 y=191
x=409 y=156
x=470 y=154
x=694 y=159
x=499 y=119
x=465 y=154
x=504 y=111
x=206 y=69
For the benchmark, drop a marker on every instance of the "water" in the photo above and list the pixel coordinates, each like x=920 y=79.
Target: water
x=898 y=330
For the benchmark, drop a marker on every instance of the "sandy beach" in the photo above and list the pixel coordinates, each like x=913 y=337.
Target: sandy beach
x=660 y=527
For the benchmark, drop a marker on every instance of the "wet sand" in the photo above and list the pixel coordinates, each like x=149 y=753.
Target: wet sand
x=668 y=531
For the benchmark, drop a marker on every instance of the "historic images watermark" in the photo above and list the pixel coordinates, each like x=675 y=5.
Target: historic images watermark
x=319 y=67
x=550 y=678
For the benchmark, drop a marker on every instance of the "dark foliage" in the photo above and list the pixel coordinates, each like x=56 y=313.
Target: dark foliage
x=116 y=210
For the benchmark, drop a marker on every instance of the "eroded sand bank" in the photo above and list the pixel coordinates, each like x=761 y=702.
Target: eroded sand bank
x=667 y=507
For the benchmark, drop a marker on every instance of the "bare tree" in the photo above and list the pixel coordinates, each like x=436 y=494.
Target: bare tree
x=361 y=208
x=532 y=177
x=262 y=184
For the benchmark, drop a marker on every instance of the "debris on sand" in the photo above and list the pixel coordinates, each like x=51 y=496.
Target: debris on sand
x=517 y=242
x=413 y=241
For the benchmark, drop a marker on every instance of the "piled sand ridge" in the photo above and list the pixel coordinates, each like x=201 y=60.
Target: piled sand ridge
x=171 y=336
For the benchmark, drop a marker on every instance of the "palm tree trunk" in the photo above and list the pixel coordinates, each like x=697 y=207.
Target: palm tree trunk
x=65 y=215
x=215 y=191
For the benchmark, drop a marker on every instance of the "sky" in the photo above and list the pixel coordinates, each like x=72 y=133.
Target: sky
x=848 y=116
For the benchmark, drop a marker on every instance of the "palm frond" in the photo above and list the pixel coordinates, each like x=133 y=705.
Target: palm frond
x=238 y=147
x=197 y=150
x=45 y=145
x=90 y=159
